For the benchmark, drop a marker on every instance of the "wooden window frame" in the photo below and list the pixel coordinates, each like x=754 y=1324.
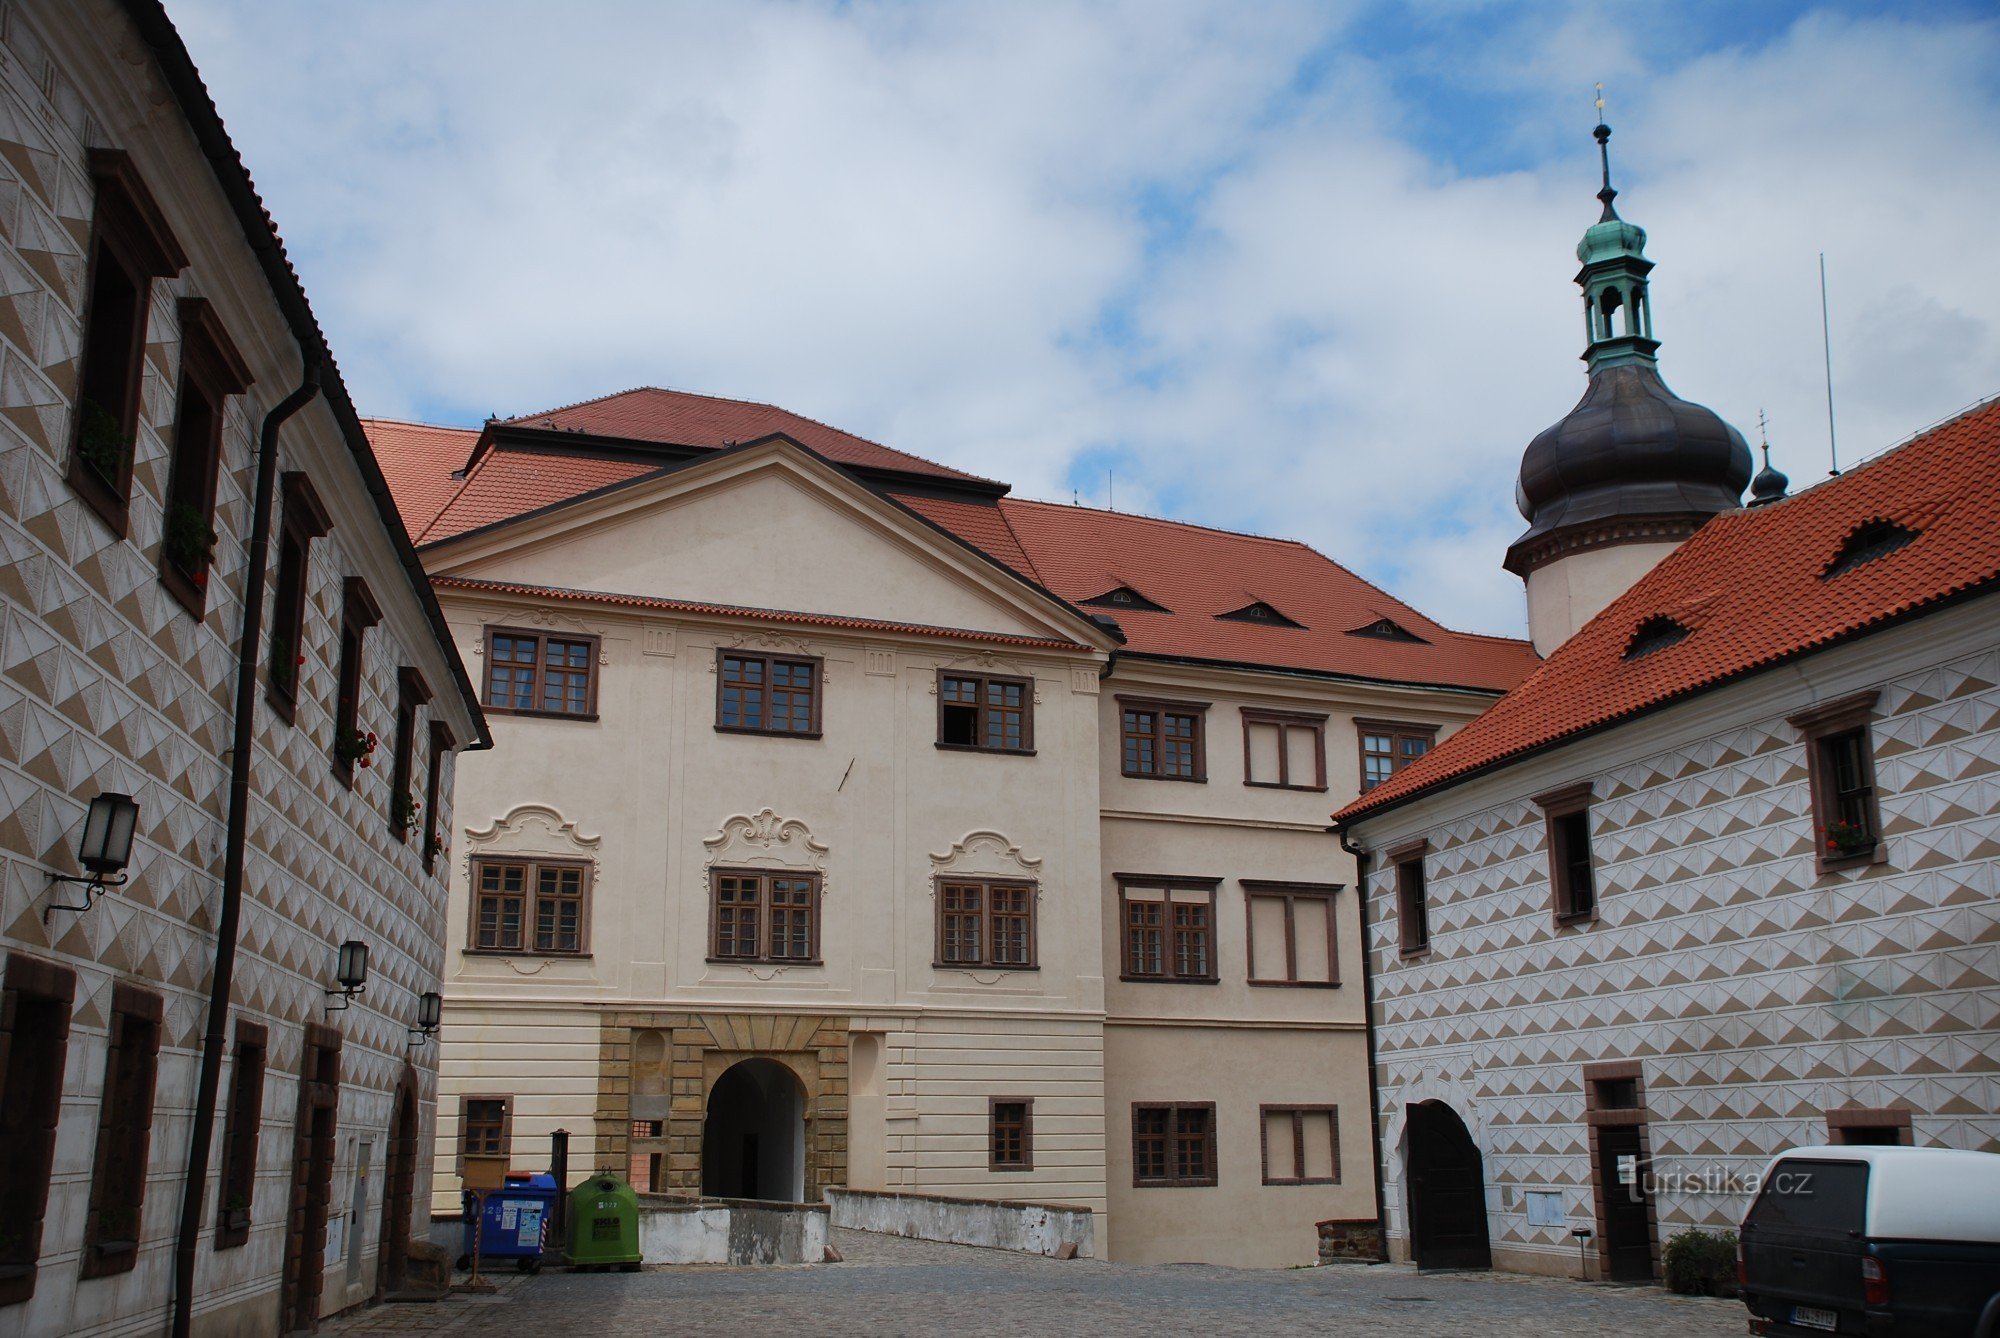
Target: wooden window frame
x=1291 y=894
x=305 y=519
x=242 y=1122
x=1174 y=1138
x=986 y=960
x=1161 y=708
x=592 y=669
x=412 y=695
x=531 y=896
x=764 y=917
x=49 y=989
x=115 y=1197
x=1286 y=721
x=127 y=231
x=358 y=613
x=1839 y=1123
x=1822 y=729
x=1027 y=686
x=817 y=674
x=1169 y=883
x=1398 y=731
x=1559 y=808
x=465 y=1101
x=1298 y=1112
x=1400 y=860
x=993 y=1128
x=441 y=744
x=211 y=371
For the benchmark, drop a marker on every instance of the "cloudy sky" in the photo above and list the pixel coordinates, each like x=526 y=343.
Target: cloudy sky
x=1301 y=269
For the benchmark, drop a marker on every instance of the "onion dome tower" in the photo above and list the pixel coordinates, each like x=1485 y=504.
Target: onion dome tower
x=1634 y=469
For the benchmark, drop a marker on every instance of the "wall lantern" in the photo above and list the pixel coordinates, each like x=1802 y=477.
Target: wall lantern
x=351 y=972
x=105 y=850
x=430 y=1011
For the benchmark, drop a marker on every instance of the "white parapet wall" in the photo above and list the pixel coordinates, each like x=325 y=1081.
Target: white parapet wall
x=731 y=1231
x=1032 y=1228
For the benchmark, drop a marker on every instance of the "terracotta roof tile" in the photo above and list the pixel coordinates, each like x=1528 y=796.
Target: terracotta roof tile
x=1751 y=588
x=508 y=484
x=418 y=461
x=680 y=418
x=789 y=616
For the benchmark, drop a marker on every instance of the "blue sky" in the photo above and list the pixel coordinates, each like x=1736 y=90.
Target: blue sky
x=1302 y=269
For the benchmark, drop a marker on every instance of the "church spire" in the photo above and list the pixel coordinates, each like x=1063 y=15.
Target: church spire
x=1617 y=307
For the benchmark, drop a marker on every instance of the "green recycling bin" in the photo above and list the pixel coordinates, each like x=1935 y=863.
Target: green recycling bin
x=604 y=1225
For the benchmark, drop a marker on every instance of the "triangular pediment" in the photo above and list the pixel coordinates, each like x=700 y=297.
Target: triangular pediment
x=771 y=526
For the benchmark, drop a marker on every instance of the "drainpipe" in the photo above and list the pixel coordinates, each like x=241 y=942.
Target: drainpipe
x=223 y=978
x=1360 y=854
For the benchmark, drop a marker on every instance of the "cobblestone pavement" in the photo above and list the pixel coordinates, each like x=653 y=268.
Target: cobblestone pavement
x=903 y=1287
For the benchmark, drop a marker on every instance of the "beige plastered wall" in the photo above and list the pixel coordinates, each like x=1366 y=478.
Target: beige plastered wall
x=1565 y=594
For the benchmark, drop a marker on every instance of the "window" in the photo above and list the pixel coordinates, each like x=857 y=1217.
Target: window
x=124 y=1130
x=1655 y=634
x=404 y=806
x=1870 y=540
x=1284 y=749
x=304 y=521
x=1163 y=740
x=239 y=1136
x=766 y=694
x=1387 y=747
x=530 y=906
x=130 y=246
x=1413 y=912
x=441 y=745
x=1572 y=887
x=1125 y=597
x=1173 y=1144
x=1840 y=766
x=536 y=673
x=765 y=917
x=211 y=371
x=485 y=1127
x=1169 y=927
x=986 y=712
x=34 y=1049
x=352 y=744
x=1875 y=1126
x=1010 y=1139
x=643 y=1164
x=1387 y=629
x=1260 y=612
x=985 y=923
x=1290 y=933
x=1301 y=1145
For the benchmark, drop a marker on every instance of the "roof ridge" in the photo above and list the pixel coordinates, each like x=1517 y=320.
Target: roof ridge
x=1158 y=520
x=413 y=422
x=578 y=404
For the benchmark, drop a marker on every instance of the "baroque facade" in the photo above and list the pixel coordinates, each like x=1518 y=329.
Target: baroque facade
x=1721 y=878
x=152 y=339
x=851 y=823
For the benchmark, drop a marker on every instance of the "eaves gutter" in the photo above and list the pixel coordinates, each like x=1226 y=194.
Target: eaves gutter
x=1318 y=675
x=184 y=81
x=1970 y=592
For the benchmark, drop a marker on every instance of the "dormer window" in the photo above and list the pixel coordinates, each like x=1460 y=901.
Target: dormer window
x=1386 y=629
x=1259 y=612
x=1655 y=634
x=1868 y=541
x=1125 y=597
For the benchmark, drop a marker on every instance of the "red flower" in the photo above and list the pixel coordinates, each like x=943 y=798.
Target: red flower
x=302 y=659
x=367 y=762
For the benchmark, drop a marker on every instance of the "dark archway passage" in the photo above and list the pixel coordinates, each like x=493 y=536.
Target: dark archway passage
x=1447 y=1191
x=753 y=1139
x=398 y=1191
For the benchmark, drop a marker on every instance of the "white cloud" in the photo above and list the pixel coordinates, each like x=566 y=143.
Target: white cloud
x=913 y=222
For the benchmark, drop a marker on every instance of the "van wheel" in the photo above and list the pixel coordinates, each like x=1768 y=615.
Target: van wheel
x=1989 y=1320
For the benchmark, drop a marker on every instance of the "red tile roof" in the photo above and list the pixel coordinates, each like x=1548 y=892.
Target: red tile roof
x=417 y=460
x=1196 y=574
x=676 y=417
x=1751 y=588
x=789 y=616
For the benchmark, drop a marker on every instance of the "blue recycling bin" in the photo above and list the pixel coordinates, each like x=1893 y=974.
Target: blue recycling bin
x=517 y=1221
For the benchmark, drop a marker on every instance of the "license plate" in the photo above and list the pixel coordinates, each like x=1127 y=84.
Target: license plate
x=1810 y=1317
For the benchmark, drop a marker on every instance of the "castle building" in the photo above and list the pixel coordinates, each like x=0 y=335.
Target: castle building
x=223 y=905
x=1721 y=877
x=853 y=823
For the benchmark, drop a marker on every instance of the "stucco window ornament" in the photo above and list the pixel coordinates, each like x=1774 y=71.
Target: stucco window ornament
x=986 y=662
x=531 y=833
x=766 y=840
x=991 y=857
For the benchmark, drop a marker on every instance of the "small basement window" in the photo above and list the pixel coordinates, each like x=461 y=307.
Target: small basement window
x=1873 y=539
x=1655 y=634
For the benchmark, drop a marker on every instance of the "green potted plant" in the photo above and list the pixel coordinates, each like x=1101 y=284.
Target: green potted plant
x=100 y=442
x=352 y=745
x=1848 y=838
x=403 y=807
x=187 y=540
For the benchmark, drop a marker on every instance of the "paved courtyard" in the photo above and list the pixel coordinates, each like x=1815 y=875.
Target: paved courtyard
x=894 y=1286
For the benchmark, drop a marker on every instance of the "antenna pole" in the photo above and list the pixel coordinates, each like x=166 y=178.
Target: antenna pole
x=1826 y=341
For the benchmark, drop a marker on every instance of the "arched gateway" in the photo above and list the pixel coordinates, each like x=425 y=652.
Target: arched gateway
x=753 y=1138
x=1447 y=1190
